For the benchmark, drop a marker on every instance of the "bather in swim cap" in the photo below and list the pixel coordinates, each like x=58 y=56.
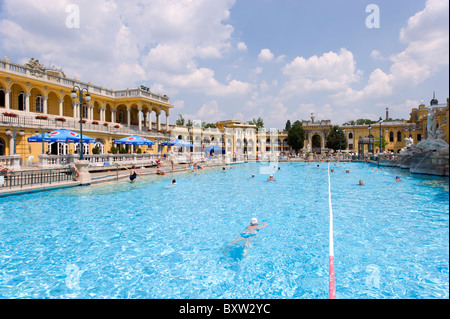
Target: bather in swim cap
x=254 y=221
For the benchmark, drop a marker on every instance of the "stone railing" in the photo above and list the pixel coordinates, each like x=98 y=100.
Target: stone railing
x=14 y=68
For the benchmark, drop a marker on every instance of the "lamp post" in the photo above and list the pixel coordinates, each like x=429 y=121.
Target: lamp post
x=338 y=131
x=380 y=120
x=13 y=135
x=80 y=97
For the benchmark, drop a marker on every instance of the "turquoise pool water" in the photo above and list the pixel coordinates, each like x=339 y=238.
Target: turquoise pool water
x=146 y=240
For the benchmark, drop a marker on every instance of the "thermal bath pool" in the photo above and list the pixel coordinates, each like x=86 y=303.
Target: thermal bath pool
x=146 y=240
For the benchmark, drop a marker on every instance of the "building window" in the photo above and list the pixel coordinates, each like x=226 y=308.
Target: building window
x=419 y=137
x=39 y=104
x=21 y=101
x=350 y=135
x=399 y=136
x=391 y=136
x=2 y=98
x=350 y=147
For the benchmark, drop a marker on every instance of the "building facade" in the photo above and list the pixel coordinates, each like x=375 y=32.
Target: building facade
x=35 y=99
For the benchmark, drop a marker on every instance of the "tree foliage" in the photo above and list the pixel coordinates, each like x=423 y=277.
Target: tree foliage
x=180 y=120
x=258 y=122
x=288 y=126
x=296 y=136
x=336 y=139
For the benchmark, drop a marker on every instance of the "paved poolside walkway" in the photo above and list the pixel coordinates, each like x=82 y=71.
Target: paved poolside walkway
x=97 y=177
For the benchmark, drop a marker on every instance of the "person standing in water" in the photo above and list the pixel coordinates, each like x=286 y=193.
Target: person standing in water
x=133 y=174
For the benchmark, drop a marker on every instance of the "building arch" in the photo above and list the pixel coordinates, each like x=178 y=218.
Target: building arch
x=17 y=96
x=2 y=97
x=121 y=114
x=108 y=113
x=36 y=100
x=96 y=112
x=2 y=147
x=68 y=105
x=316 y=143
x=52 y=103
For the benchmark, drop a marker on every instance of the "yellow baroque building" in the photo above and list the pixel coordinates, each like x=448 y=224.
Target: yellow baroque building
x=35 y=99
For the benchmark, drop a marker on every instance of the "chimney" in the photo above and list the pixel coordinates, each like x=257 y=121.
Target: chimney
x=387 y=114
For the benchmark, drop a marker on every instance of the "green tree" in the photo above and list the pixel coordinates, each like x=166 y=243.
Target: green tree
x=208 y=125
x=189 y=123
x=258 y=122
x=383 y=143
x=336 y=139
x=296 y=136
x=180 y=120
x=288 y=126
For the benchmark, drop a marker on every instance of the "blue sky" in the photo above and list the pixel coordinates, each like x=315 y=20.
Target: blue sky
x=241 y=59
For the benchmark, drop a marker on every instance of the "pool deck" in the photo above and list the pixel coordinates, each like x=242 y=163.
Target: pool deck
x=98 y=176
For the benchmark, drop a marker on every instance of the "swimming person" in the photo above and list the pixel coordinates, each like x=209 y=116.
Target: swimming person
x=249 y=232
x=133 y=173
x=361 y=182
x=398 y=179
x=271 y=178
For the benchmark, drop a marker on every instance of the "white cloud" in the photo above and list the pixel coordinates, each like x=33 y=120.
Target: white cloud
x=209 y=112
x=330 y=72
x=156 y=40
x=265 y=55
x=241 y=46
x=426 y=53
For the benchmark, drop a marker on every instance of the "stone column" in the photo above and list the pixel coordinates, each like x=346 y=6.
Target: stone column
x=158 y=121
x=140 y=119
x=167 y=121
x=45 y=98
x=60 y=107
x=27 y=102
x=113 y=115
x=75 y=106
x=128 y=117
x=7 y=98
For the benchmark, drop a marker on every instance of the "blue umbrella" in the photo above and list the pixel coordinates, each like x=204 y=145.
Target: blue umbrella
x=61 y=136
x=134 y=140
x=212 y=148
x=177 y=142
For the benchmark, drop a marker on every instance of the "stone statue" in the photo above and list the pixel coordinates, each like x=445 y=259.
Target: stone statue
x=37 y=69
x=431 y=127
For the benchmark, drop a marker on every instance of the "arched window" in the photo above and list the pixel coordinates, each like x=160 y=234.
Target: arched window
x=85 y=111
x=350 y=135
x=2 y=98
x=2 y=147
x=399 y=136
x=21 y=101
x=391 y=136
x=39 y=104
x=101 y=146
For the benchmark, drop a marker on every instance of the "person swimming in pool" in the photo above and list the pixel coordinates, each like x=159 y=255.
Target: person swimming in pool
x=249 y=232
x=271 y=178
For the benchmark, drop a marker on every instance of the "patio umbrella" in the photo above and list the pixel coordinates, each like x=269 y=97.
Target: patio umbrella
x=61 y=136
x=213 y=148
x=177 y=142
x=134 y=140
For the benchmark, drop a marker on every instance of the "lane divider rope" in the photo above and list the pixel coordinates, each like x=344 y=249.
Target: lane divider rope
x=332 y=283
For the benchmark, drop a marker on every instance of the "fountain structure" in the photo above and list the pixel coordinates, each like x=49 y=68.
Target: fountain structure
x=429 y=156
